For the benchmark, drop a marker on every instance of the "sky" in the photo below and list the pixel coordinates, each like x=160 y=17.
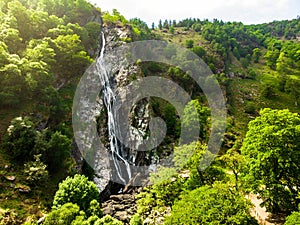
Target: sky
x=246 y=11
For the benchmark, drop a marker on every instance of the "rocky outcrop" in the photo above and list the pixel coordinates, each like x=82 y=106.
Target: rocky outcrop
x=121 y=206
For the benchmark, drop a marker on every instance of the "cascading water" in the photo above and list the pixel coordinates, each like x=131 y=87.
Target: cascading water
x=117 y=151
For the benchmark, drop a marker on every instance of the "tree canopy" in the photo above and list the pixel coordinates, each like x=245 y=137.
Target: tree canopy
x=211 y=205
x=271 y=147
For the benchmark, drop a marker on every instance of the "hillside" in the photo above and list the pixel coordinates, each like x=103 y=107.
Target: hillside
x=45 y=48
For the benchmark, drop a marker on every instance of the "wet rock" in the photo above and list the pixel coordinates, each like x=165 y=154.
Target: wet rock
x=41 y=220
x=123 y=216
x=6 y=167
x=23 y=188
x=121 y=206
x=10 y=178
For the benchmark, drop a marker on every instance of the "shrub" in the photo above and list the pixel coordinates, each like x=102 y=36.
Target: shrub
x=251 y=74
x=268 y=91
x=189 y=43
x=136 y=220
x=20 y=139
x=293 y=219
x=77 y=190
x=58 y=151
x=94 y=209
x=211 y=205
x=64 y=215
x=250 y=108
x=200 y=51
x=35 y=171
x=108 y=220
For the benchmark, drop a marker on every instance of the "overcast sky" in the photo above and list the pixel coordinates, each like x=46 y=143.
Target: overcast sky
x=246 y=11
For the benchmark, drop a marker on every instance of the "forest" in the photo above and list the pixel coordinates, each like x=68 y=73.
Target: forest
x=45 y=48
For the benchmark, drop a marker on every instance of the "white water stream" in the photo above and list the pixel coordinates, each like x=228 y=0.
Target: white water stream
x=109 y=99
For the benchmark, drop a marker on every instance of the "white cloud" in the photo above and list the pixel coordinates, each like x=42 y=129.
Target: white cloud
x=247 y=11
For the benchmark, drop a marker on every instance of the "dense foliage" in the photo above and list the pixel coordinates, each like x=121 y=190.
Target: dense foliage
x=78 y=190
x=293 y=219
x=211 y=205
x=43 y=45
x=272 y=149
x=46 y=45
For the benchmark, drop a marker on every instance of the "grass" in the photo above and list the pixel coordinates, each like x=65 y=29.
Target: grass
x=34 y=204
x=246 y=90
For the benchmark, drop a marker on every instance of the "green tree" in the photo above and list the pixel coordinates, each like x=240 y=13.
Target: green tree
x=292 y=86
x=271 y=57
x=169 y=114
x=218 y=204
x=59 y=150
x=94 y=209
x=160 y=25
x=153 y=26
x=77 y=190
x=40 y=51
x=245 y=62
x=166 y=24
x=172 y=30
x=11 y=37
x=93 y=30
x=236 y=53
x=37 y=77
x=195 y=117
x=271 y=148
x=12 y=84
x=17 y=10
x=200 y=51
x=20 y=139
x=189 y=43
x=256 y=55
x=268 y=91
x=4 y=54
x=71 y=58
x=282 y=63
x=194 y=157
x=235 y=162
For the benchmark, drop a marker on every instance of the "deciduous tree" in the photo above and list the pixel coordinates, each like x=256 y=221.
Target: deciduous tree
x=272 y=147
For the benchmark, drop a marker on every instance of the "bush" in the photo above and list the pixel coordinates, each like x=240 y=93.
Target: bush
x=64 y=215
x=136 y=220
x=77 y=190
x=36 y=171
x=250 y=108
x=94 y=209
x=211 y=205
x=108 y=220
x=189 y=43
x=293 y=219
x=20 y=139
x=251 y=74
x=268 y=91
x=58 y=151
x=71 y=214
x=200 y=51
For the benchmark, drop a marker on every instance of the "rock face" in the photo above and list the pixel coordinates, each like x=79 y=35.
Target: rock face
x=117 y=200
x=140 y=113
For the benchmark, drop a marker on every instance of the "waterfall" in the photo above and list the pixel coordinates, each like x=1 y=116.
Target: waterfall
x=119 y=165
